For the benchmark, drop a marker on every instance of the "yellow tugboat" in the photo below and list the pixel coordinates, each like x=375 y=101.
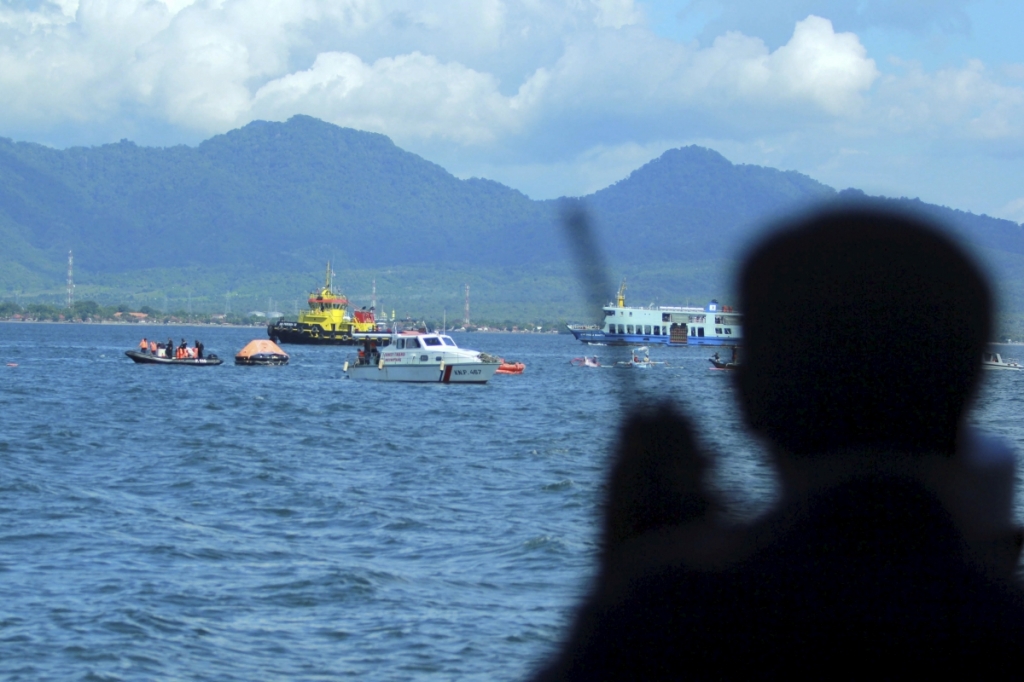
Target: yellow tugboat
x=328 y=322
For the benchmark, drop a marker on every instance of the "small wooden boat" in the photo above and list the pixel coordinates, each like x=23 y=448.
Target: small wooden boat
x=719 y=363
x=147 y=359
x=261 y=352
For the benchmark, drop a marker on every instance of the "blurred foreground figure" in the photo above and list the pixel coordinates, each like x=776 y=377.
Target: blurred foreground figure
x=891 y=553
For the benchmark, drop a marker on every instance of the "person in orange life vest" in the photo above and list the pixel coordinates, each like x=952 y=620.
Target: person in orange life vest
x=143 y=345
x=152 y=347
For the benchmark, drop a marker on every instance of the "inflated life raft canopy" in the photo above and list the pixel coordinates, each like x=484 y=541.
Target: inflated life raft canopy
x=261 y=352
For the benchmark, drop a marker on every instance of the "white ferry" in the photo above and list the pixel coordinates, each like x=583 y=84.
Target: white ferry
x=712 y=325
x=422 y=358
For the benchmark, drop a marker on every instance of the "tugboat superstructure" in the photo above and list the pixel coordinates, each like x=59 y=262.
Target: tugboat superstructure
x=328 y=322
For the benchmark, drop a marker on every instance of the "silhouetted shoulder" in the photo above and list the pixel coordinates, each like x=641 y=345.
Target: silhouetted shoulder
x=867 y=577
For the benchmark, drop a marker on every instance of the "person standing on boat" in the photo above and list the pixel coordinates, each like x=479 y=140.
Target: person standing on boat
x=199 y=350
x=143 y=346
x=882 y=557
x=152 y=348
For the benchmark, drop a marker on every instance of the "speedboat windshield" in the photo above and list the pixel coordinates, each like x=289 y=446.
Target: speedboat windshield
x=431 y=341
x=448 y=341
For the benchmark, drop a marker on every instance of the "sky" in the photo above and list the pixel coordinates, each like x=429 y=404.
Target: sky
x=915 y=98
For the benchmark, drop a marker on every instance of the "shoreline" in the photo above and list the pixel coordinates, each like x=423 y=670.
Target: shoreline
x=139 y=324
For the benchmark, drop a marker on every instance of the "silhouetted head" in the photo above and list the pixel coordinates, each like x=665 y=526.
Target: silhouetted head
x=861 y=328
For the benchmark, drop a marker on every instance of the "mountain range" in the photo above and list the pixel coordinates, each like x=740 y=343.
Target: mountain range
x=254 y=214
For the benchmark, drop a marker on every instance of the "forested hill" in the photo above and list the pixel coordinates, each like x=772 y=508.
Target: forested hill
x=283 y=197
x=269 y=195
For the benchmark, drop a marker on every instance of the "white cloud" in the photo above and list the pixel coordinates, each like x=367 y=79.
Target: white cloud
x=1013 y=210
x=957 y=103
x=406 y=96
x=634 y=71
x=572 y=89
x=616 y=13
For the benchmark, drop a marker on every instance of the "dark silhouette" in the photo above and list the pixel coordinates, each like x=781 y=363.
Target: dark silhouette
x=863 y=337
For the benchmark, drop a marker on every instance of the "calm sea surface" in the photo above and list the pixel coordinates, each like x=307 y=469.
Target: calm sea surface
x=285 y=523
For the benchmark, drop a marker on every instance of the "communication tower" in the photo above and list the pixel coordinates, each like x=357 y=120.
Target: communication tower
x=71 y=280
x=373 y=296
x=465 y=318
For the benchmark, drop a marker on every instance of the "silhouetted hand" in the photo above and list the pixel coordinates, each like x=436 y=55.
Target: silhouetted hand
x=657 y=478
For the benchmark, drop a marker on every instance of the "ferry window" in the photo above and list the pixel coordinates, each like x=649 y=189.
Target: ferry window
x=400 y=343
x=631 y=313
x=664 y=317
x=728 y=330
x=693 y=331
x=718 y=319
x=718 y=330
x=700 y=331
x=432 y=341
x=657 y=330
x=412 y=343
x=424 y=358
x=609 y=313
x=438 y=358
x=622 y=329
x=629 y=329
x=611 y=329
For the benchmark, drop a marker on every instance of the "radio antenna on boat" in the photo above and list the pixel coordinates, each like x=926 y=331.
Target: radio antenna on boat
x=592 y=272
x=465 y=318
x=71 y=280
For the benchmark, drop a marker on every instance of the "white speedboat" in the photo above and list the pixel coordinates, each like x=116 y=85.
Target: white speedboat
x=990 y=360
x=423 y=358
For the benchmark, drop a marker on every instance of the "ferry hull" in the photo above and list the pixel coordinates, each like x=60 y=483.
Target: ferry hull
x=455 y=373
x=601 y=337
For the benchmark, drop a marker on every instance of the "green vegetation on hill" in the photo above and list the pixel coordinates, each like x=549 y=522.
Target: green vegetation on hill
x=247 y=220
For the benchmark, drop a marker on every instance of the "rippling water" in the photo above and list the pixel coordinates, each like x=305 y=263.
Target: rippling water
x=242 y=523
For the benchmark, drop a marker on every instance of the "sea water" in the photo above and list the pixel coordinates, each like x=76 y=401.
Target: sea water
x=286 y=523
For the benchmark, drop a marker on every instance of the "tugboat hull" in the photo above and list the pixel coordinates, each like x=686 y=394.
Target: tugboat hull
x=314 y=335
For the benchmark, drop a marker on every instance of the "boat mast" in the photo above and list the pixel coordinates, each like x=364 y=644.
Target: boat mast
x=465 y=318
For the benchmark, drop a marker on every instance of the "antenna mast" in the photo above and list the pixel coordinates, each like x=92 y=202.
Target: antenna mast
x=373 y=296
x=71 y=280
x=465 y=319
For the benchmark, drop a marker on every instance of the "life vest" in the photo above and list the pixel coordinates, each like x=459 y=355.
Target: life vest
x=152 y=347
x=143 y=345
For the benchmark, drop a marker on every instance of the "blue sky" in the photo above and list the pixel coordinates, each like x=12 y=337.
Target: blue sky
x=919 y=98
